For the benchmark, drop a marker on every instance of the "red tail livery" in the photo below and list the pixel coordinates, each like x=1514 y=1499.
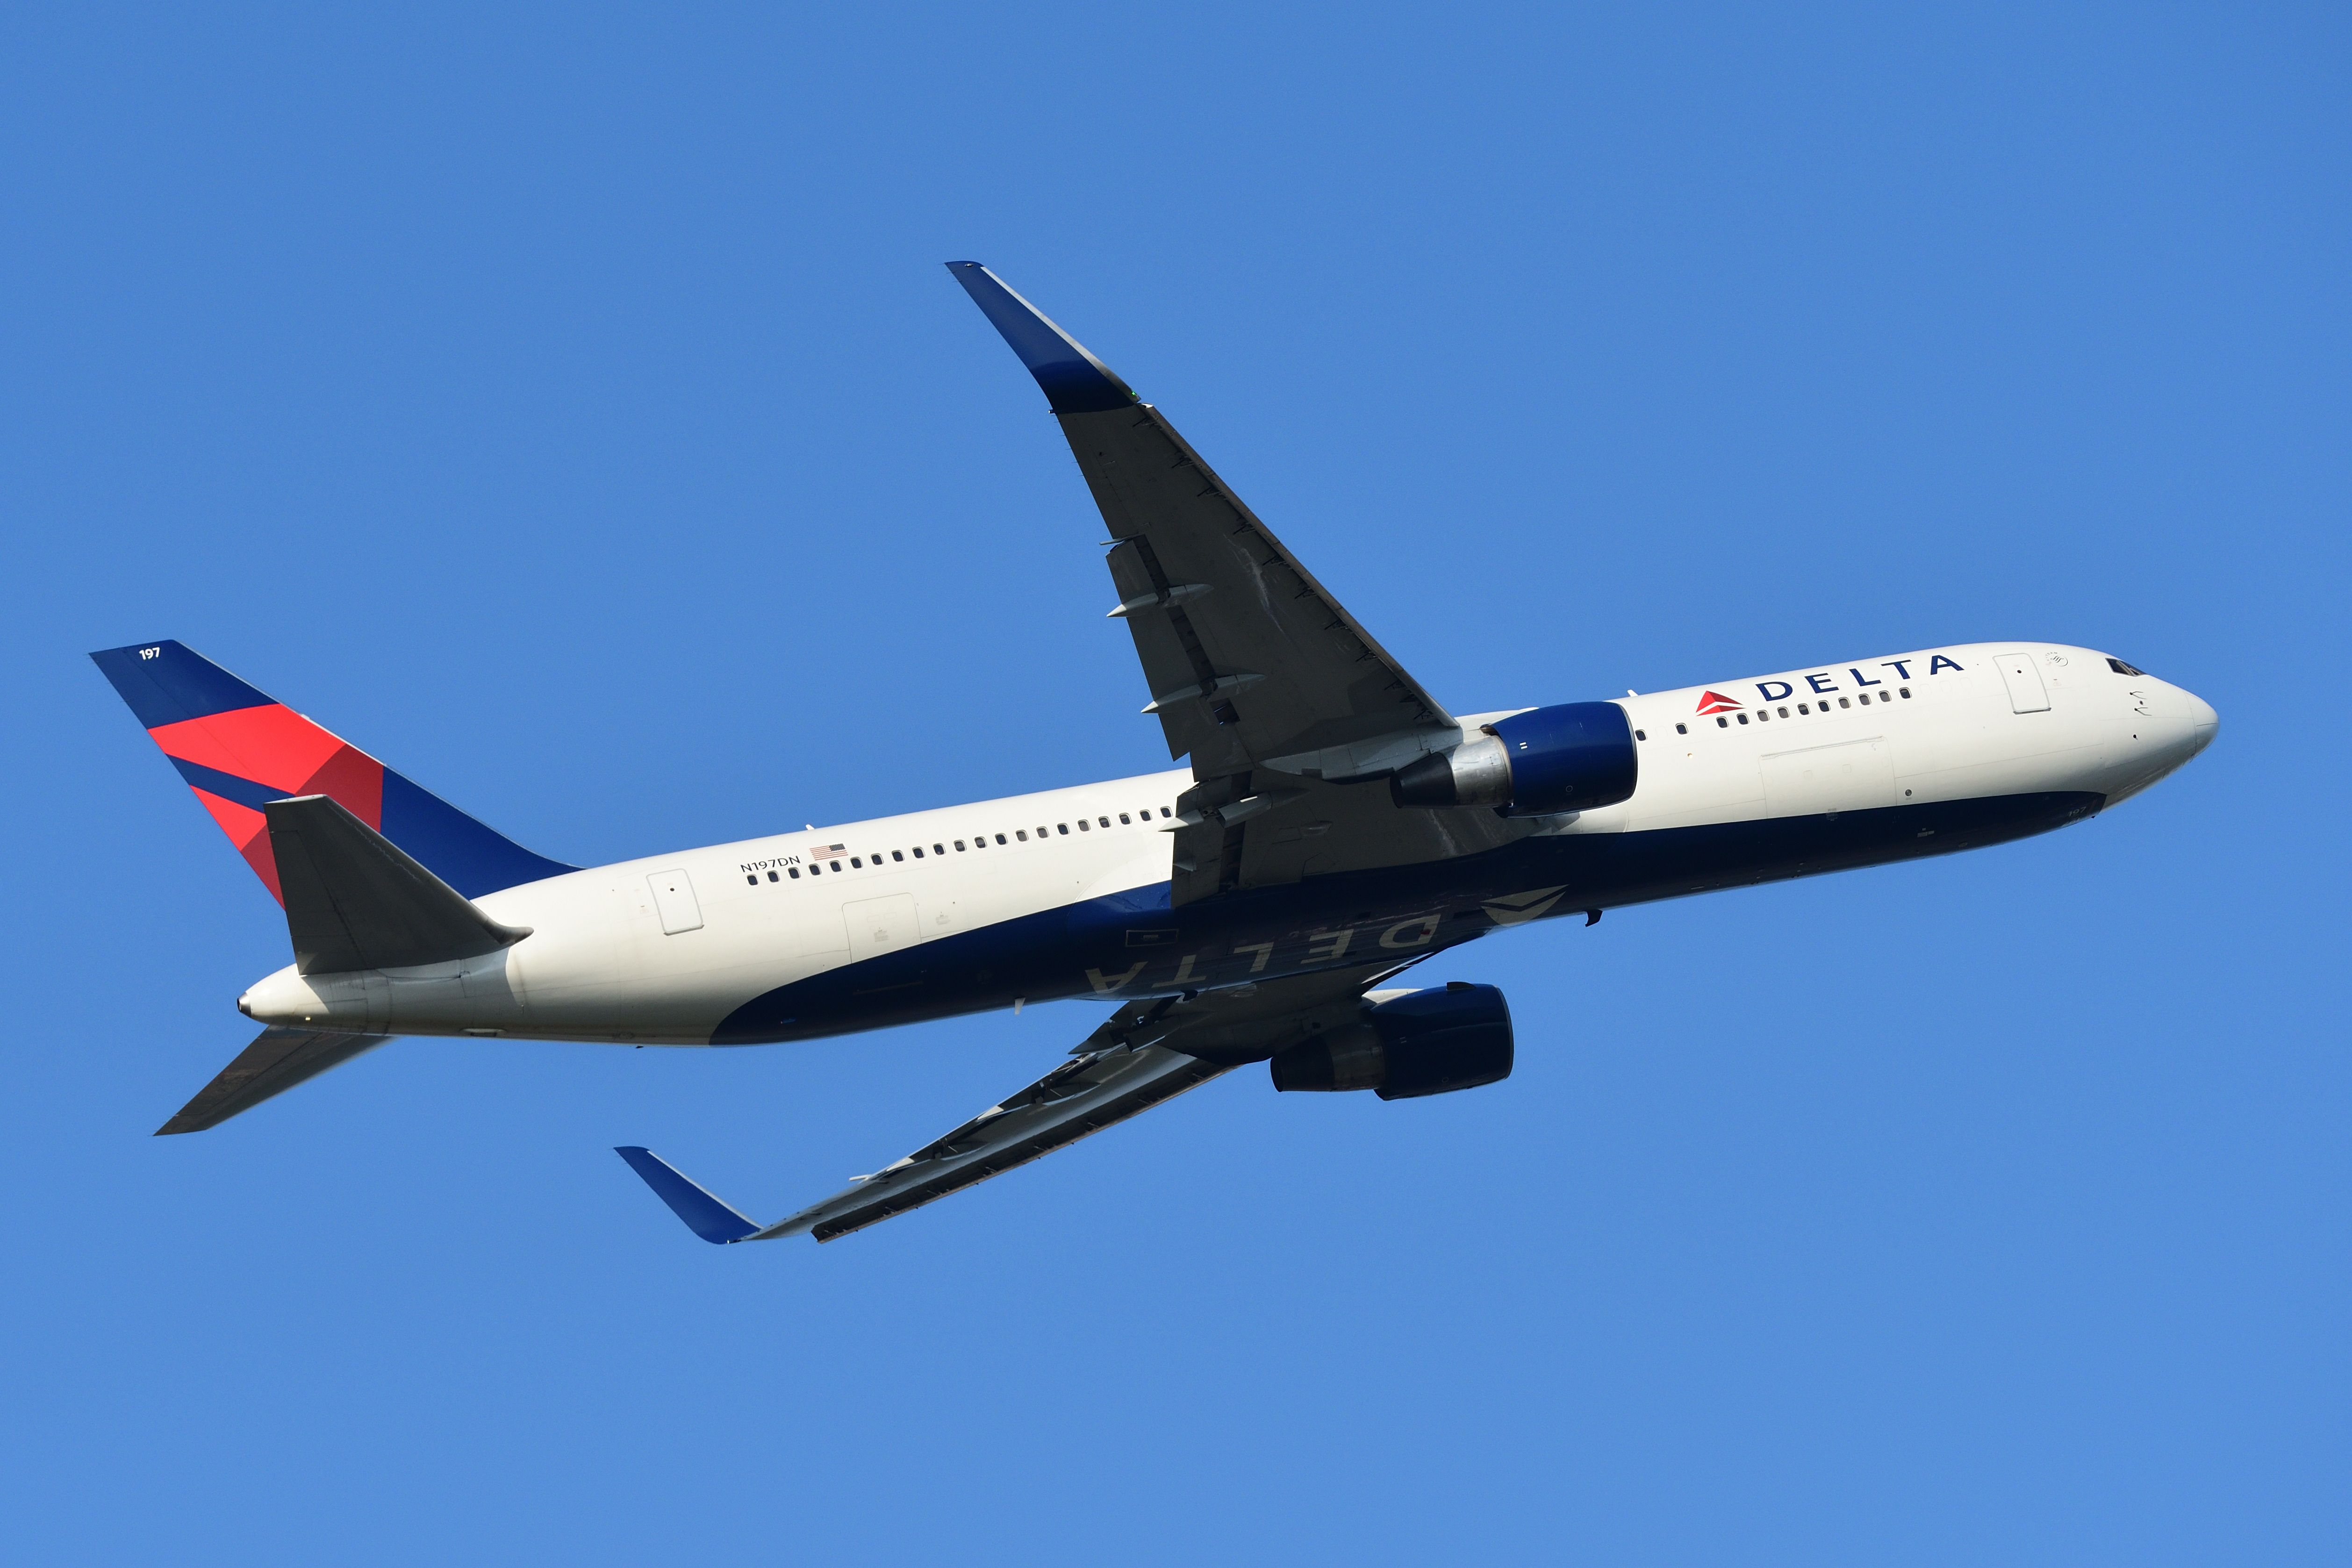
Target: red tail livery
x=239 y=749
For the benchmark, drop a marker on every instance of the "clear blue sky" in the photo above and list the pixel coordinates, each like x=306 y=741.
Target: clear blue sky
x=571 y=409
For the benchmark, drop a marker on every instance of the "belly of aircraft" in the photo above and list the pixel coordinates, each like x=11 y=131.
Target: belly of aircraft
x=1135 y=944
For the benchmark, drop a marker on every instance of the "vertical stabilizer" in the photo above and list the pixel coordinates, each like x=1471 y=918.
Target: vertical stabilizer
x=239 y=749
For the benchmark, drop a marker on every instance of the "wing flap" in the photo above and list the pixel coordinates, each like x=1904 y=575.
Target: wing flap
x=1146 y=1053
x=1080 y=1097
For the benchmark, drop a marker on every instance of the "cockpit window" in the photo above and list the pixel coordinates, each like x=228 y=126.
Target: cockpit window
x=2119 y=667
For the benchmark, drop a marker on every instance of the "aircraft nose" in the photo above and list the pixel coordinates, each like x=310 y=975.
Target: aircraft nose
x=2203 y=722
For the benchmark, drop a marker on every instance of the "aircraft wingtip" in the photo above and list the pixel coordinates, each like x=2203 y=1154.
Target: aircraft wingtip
x=1073 y=380
x=706 y=1215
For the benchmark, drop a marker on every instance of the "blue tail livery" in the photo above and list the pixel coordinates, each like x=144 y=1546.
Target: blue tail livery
x=239 y=749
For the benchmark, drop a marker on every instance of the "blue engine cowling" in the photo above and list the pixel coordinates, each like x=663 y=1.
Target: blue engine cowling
x=1456 y=1036
x=1570 y=758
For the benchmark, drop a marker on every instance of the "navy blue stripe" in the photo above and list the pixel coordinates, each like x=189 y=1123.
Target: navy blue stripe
x=227 y=786
x=1045 y=957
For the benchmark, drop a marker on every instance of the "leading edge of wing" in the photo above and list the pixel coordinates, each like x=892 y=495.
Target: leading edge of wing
x=1075 y=381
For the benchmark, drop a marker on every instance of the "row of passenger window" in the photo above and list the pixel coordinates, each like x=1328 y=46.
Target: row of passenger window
x=979 y=842
x=1764 y=714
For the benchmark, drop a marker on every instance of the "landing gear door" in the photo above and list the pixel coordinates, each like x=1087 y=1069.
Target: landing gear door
x=2019 y=673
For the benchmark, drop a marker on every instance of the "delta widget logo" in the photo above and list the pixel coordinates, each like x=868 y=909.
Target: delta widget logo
x=1716 y=702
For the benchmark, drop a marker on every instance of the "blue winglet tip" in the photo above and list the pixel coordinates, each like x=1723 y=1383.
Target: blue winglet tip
x=704 y=1214
x=1075 y=381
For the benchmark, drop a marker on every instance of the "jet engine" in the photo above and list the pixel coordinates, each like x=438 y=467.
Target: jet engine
x=1571 y=758
x=1408 y=1044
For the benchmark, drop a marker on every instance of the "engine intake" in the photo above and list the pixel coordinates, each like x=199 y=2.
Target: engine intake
x=1571 y=758
x=1457 y=1036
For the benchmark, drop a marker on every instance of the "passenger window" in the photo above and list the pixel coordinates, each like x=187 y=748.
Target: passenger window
x=1743 y=719
x=1682 y=730
x=1041 y=830
x=936 y=849
x=771 y=876
x=1084 y=824
x=958 y=844
x=896 y=855
x=1763 y=713
x=1639 y=734
x=1843 y=702
x=1125 y=820
x=1000 y=838
x=752 y=879
x=1103 y=820
x=1166 y=812
x=836 y=864
x=1064 y=826
x=1021 y=833
x=856 y=864
x=1784 y=712
x=793 y=871
x=1721 y=722
x=1906 y=694
x=815 y=868
x=1802 y=709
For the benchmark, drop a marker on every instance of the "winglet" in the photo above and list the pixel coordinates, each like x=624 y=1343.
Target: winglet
x=704 y=1215
x=1074 y=381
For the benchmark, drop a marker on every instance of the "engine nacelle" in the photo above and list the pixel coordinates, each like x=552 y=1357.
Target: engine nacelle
x=1571 y=758
x=1456 y=1036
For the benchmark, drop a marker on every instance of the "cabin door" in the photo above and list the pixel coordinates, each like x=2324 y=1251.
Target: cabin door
x=2023 y=678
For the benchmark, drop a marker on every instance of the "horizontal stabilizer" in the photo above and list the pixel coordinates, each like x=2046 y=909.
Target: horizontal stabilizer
x=277 y=1062
x=355 y=900
x=704 y=1215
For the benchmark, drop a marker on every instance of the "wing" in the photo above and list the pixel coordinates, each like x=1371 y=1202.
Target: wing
x=275 y=1061
x=1255 y=669
x=1146 y=1053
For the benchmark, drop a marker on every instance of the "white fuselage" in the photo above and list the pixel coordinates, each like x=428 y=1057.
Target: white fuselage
x=666 y=949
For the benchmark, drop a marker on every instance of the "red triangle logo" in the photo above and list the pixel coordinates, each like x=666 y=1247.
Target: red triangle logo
x=1716 y=702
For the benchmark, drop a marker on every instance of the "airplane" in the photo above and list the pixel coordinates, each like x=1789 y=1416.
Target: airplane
x=1333 y=825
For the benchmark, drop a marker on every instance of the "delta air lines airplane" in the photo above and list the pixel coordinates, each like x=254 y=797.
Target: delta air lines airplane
x=1334 y=824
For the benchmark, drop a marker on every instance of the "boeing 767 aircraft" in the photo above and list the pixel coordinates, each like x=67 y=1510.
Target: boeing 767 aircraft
x=1334 y=824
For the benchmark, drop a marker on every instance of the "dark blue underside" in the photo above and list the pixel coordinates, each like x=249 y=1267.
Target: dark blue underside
x=1133 y=944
